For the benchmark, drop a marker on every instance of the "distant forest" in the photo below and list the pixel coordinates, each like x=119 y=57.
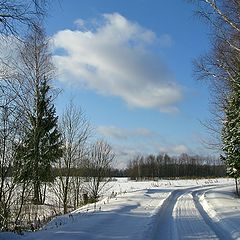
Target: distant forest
x=164 y=166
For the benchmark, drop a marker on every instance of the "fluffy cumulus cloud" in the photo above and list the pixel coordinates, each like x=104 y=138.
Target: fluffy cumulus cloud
x=113 y=56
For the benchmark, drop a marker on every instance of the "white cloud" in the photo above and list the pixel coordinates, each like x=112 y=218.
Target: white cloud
x=166 y=40
x=126 y=152
x=129 y=143
x=115 y=59
x=174 y=149
x=123 y=133
x=9 y=47
x=79 y=22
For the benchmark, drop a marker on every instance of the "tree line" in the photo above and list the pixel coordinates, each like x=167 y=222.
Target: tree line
x=185 y=166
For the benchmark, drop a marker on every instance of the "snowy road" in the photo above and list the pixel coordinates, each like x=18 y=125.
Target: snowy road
x=150 y=211
x=182 y=217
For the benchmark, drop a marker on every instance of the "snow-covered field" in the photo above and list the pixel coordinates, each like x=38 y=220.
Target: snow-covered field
x=167 y=209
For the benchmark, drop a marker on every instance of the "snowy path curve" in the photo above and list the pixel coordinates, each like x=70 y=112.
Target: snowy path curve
x=183 y=217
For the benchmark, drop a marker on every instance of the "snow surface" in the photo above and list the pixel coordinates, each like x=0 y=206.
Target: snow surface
x=167 y=209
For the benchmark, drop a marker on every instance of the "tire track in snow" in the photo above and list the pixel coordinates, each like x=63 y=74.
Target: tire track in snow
x=164 y=224
x=166 y=227
x=220 y=232
x=189 y=222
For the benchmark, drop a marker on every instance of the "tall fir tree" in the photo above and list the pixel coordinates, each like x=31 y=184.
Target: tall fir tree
x=42 y=145
x=231 y=133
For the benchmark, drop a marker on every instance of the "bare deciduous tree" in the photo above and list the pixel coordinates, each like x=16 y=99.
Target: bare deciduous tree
x=98 y=165
x=14 y=15
x=8 y=135
x=220 y=65
x=75 y=130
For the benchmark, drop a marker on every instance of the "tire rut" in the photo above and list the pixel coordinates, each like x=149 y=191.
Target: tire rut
x=165 y=226
x=218 y=230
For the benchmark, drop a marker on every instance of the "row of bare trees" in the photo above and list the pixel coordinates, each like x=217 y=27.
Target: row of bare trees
x=184 y=166
x=84 y=167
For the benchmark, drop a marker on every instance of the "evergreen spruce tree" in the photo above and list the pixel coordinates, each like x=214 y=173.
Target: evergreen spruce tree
x=42 y=145
x=231 y=134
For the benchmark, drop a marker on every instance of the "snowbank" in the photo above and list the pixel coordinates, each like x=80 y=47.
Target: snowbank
x=223 y=207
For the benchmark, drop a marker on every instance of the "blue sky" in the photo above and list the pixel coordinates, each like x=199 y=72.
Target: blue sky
x=128 y=65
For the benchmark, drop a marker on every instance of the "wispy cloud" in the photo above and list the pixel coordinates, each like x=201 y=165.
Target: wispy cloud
x=128 y=143
x=80 y=23
x=113 y=57
x=174 y=149
x=126 y=152
x=123 y=133
x=166 y=40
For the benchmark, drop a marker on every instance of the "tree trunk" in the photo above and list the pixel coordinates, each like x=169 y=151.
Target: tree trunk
x=65 y=196
x=22 y=202
x=44 y=193
x=236 y=183
x=36 y=189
